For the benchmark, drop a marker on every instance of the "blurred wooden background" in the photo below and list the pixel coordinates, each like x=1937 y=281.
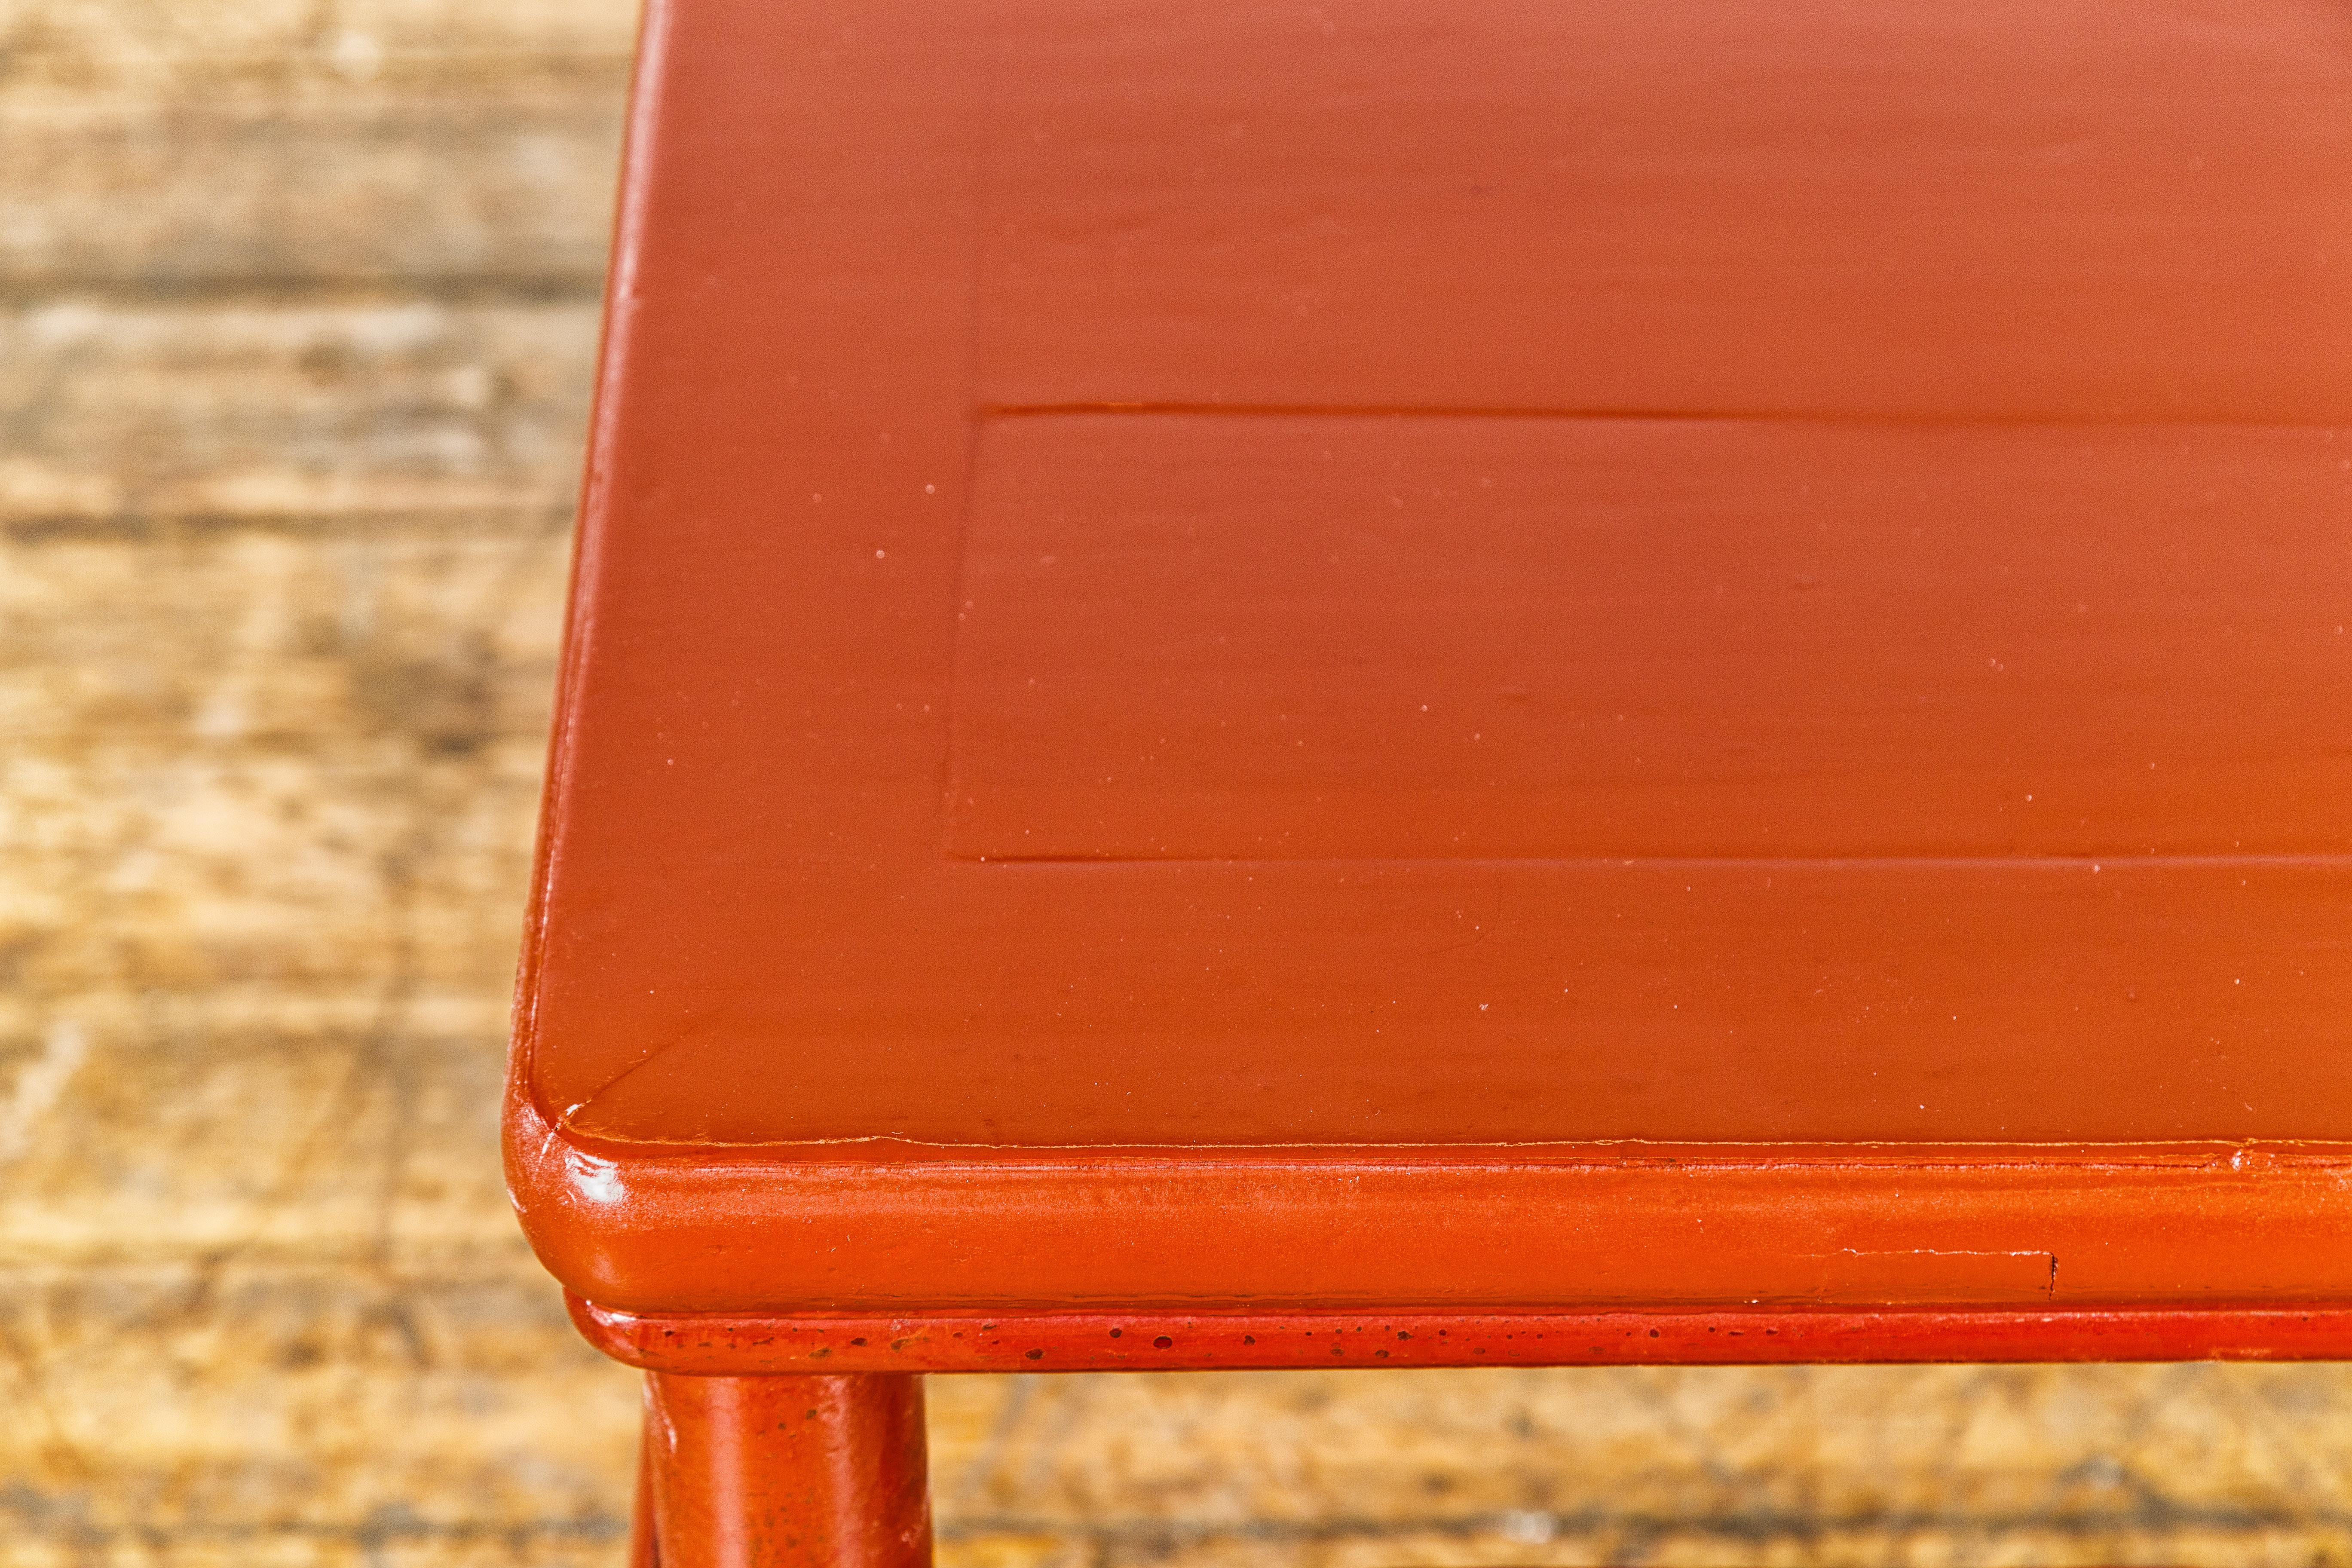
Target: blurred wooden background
x=297 y=300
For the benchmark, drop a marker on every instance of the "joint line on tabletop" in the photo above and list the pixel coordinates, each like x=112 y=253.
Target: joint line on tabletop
x=984 y=159
x=1687 y=862
x=1183 y=409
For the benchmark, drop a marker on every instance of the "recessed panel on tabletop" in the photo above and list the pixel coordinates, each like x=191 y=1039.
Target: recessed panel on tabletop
x=1432 y=637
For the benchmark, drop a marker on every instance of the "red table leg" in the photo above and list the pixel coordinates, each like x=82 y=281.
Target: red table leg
x=642 y=1551
x=788 y=1472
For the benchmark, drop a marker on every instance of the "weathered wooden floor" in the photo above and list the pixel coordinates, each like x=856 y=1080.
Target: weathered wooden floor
x=297 y=304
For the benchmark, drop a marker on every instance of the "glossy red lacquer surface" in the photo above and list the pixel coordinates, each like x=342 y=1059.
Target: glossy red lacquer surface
x=1510 y=655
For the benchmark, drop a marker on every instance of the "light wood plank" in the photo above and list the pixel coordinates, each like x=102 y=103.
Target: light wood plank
x=433 y=190
x=155 y=49
x=114 y=414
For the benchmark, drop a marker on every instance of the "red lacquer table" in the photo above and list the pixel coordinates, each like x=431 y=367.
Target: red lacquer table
x=1392 y=683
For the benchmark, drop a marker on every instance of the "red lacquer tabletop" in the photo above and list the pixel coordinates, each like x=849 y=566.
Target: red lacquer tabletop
x=1518 y=655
